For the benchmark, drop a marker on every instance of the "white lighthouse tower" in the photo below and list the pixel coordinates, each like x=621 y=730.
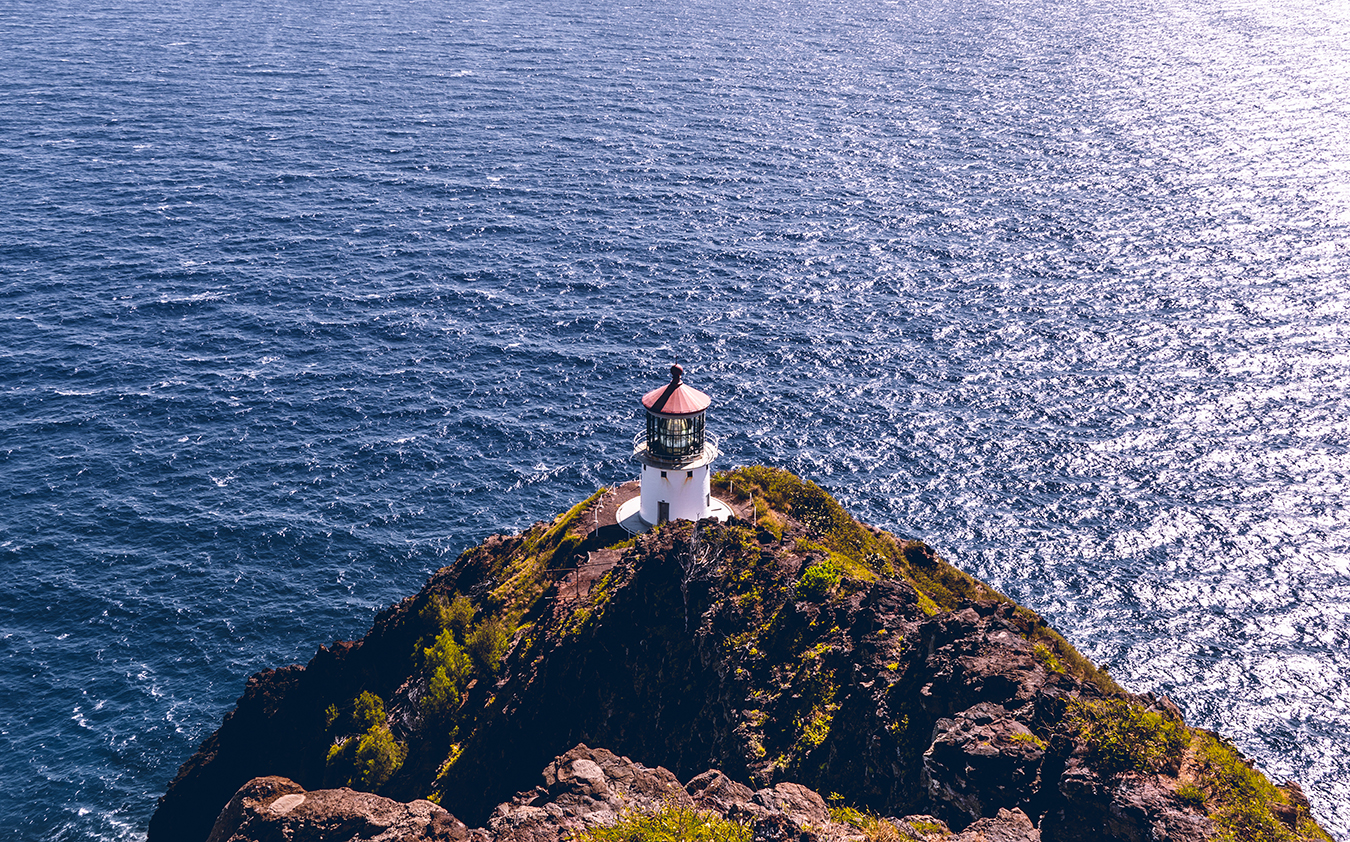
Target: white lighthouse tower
x=676 y=455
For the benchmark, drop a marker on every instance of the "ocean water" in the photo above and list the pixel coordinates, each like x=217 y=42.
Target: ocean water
x=297 y=301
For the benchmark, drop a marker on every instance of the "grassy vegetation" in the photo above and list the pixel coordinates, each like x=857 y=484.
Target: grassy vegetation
x=670 y=823
x=766 y=519
x=1030 y=739
x=874 y=828
x=1191 y=795
x=824 y=520
x=1048 y=657
x=1121 y=736
x=525 y=578
x=858 y=553
x=1242 y=801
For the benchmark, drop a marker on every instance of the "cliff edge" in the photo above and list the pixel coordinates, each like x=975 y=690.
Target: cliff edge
x=790 y=646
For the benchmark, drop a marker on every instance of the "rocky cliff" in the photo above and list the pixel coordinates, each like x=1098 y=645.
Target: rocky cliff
x=789 y=647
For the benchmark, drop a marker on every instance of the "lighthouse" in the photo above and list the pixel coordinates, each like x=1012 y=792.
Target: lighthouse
x=676 y=454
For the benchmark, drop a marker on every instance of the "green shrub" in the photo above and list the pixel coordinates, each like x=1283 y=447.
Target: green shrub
x=668 y=824
x=816 y=728
x=378 y=757
x=1122 y=736
x=443 y=613
x=458 y=616
x=368 y=711
x=338 y=763
x=449 y=668
x=487 y=644
x=819 y=580
x=369 y=760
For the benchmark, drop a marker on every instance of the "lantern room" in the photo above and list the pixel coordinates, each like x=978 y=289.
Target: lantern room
x=675 y=415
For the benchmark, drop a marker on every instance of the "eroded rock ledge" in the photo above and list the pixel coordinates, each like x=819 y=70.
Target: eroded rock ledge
x=583 y=788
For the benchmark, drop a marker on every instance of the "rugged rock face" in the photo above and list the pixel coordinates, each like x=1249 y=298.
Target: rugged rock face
x=792 y=648
x=584 y=788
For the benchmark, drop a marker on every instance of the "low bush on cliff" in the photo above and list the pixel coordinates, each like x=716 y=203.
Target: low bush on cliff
x=823 y=518
x=454 y=614
x=448 y=668
x=669 y=824
x=378 y=757
x=487 y=644
x=1121 y=736
x=860 y=553
x=1244 y=802
x=368 y=711
x=819 y=580
x=455 y=650
x=368 y=760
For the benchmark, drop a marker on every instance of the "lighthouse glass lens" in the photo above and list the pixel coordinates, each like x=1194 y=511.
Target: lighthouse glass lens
x=675 y=438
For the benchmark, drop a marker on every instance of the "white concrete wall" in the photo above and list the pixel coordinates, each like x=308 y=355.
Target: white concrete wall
x=688 y=496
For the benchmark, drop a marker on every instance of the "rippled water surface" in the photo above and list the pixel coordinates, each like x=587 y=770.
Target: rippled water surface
x=298 y=301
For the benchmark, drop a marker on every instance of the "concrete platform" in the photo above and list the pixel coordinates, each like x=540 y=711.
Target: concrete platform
x=632 y=522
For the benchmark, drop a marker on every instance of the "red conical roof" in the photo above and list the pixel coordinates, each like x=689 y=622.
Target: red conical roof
x=676 y=398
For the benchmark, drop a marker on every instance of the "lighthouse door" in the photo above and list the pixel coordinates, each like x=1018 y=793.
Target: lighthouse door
x=662 y=511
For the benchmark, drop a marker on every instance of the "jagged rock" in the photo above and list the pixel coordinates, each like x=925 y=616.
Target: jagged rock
x=976 y=655
x=714 y=791
x=274 y=808
x=1130 y=808
x=583 y=788
x=795 y=801
x=979 y=762
x=1006 y=826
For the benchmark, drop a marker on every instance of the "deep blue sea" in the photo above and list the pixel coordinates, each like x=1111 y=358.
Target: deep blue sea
x=299 y=300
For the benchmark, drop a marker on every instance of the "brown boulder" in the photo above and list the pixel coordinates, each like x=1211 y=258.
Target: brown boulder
x=583 y=788
x=1006 y=826
x=795 y=801
x=714 y=791
x=274 y=808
